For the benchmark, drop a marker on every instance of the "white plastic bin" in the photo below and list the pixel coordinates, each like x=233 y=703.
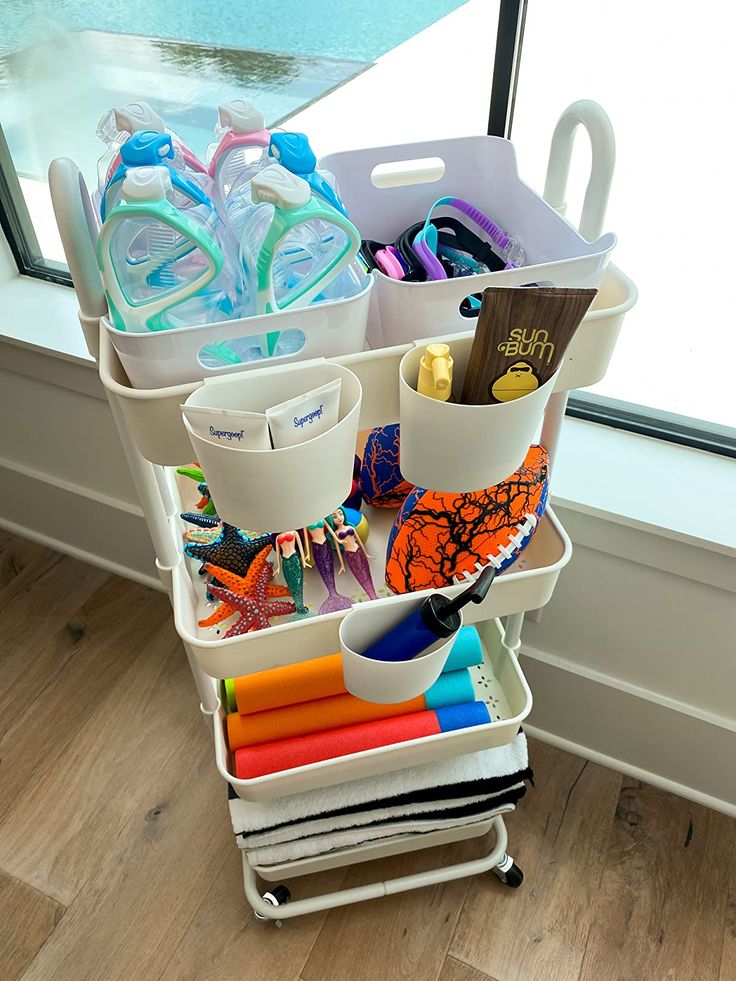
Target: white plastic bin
x=174 y=357
x=483 y=171
x=275 y=490
x=498 y=681
x=591 y=349
x=457 y=448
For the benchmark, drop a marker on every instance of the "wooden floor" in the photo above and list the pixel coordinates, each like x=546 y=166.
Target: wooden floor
x=117 y=861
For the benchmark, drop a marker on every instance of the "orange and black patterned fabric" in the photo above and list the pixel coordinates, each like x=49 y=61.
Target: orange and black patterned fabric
x=437 y=536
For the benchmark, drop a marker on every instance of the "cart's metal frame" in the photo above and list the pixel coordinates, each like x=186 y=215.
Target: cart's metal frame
x=78 y=228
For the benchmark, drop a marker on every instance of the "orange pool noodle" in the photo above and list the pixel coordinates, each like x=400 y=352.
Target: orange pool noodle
x=302 y=682
x=315 y=716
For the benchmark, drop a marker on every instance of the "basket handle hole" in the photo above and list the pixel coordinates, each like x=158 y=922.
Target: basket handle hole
x=401 y=173
x=252 y=350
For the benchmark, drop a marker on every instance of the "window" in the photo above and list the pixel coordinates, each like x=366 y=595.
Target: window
x=662 y=77
x=63 y=65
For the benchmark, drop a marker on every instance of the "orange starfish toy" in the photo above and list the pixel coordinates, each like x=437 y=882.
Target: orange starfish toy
x=242 y=586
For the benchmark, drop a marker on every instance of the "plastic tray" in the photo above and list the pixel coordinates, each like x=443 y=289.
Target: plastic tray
x=498 y=681
x=369 y=852
x=154 y=419
x=526 y=585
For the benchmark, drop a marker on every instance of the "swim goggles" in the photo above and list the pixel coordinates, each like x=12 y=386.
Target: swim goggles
x=145 y=196
x=240 y=126
x=147 y=148
x=292 y=150
x=426 y=241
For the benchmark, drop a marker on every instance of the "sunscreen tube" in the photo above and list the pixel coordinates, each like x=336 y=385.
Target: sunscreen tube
x=304 y=417
x=230 y=427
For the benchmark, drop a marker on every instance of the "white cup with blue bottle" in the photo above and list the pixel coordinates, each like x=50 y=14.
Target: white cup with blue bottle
x=392 y=652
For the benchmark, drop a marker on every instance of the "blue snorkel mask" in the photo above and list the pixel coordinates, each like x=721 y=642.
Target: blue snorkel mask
x=147 y=148
x=292 y=151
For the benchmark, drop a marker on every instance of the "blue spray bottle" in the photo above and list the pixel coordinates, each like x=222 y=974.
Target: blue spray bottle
x=436 y=619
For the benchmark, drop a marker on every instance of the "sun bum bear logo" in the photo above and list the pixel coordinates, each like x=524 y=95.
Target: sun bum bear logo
x=301 y=421
x=228 y=434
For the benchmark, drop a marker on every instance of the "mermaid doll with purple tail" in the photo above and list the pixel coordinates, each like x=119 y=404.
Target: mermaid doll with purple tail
x=356 y=554
x=323 y=558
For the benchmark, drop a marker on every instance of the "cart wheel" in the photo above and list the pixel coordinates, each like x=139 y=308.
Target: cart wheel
x=509 y=872
x=278 y=896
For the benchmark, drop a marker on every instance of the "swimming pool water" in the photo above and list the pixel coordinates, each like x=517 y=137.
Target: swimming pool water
x=359 y=30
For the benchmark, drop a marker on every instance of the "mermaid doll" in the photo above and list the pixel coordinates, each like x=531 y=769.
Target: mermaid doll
x=290 y=559
x=356 y=553
x=323 y=558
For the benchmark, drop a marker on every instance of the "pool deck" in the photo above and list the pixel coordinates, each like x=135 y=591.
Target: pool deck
x=364 y=111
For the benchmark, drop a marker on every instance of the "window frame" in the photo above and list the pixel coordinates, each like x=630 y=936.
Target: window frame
x=17 y=226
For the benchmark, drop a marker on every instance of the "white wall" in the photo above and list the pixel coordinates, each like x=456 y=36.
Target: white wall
x=64 y=478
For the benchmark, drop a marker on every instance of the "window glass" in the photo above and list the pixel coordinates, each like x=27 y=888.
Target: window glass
x=664 y=74
x=64 y=63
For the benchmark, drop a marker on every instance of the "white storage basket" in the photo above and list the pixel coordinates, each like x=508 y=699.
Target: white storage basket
x=527 y=585
x=455 y=448
x=275 y=490
x=498 y=681
x=174 y=357
x=481 y=170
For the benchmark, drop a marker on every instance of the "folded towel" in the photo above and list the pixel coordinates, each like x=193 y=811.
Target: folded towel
x=497 y=768
x=287 y=754
x=444 y=808
x=323 y=714
x=325 y=844
x=322 y=677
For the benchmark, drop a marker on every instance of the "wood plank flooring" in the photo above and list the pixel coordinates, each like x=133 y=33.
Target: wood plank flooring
x=117 y=860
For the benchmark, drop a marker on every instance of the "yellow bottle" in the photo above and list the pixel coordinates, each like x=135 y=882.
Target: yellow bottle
x=435 y=372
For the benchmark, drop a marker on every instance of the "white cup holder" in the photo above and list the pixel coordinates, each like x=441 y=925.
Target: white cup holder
x=387 y=682
x=460 y=448
x=278 y=489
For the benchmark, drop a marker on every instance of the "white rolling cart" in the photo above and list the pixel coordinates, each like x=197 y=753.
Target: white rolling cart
x=154 y=440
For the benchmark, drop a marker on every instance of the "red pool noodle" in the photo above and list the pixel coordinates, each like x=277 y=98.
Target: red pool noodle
x=284 y=754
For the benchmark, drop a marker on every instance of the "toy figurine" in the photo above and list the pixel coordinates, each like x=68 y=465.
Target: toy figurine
x=356 y=553
x=257 y=608
x=231 y=549
x=199 y=519
x=290 y=559
x=205 y=503
x=323 y=558
x=249 y=585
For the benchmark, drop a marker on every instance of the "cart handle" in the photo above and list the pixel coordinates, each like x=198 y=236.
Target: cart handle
x=79 y=229
x=603 y=147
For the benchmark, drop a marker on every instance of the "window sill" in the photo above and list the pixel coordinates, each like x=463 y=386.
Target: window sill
x=647 y=485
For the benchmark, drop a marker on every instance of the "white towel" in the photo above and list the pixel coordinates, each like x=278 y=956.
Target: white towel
x=292 y=851
x=319 y=826
x=487 y=764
